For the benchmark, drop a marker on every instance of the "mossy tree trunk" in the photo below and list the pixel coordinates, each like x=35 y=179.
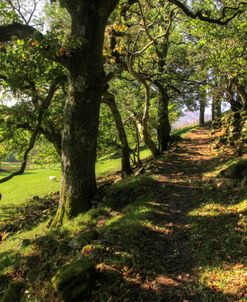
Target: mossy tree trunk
x=81 y=114
x=216 y=108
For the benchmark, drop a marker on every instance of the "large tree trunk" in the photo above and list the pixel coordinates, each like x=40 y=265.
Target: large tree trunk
x=109 y=99
x=81 y=114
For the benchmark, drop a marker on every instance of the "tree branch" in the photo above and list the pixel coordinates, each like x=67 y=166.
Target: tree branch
x=19 y=31
x=201 y=16
x=36 y=131
x=27 y=151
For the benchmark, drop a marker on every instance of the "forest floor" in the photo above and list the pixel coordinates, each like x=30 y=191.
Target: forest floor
x=192 y=243
x=169 y=235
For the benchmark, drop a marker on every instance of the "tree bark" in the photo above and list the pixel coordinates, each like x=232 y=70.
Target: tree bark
x=164 y=127
x=81 y=114
x=146 y=135
x=202 y=112
x=109 y=99
x=137 y=148
x=243 y=96
x=145 y=117
x=213 y=110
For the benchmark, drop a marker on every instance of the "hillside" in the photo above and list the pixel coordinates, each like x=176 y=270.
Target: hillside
x=168 y=235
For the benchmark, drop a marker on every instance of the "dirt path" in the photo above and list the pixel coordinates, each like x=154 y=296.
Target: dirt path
x=181 y=189
x=181 y=180
x=163 y=268
x=146 y=243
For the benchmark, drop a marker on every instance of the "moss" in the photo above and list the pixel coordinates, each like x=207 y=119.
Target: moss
x=87 y=237
x=233 y=125
x=64 y=249
x=33 y=274
x=88 y=250
x=127 y=191
x=12 y=294
x=75 y=280
x=61 y=216
x=236 y=171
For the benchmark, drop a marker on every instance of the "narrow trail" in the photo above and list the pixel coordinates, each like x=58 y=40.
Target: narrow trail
x=164 y=262
x=180 y=190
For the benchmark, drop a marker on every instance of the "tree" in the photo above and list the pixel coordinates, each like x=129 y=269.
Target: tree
x=109 y=99
x=81 y=113
x=83 y=61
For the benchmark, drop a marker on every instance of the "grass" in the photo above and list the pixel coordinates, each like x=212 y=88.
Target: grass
x=33 y=182
x=123 y=236
x=218 y=237
x=29 y=240
x=36 y=181
x=185 y=130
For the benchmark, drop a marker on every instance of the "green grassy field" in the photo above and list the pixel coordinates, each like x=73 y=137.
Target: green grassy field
x=33 y=182
x=36 y=181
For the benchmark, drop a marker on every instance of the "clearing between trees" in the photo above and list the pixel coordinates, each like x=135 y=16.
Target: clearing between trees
x=171 y=234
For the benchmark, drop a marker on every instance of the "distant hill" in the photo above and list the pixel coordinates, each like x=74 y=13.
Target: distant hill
x=188 y=118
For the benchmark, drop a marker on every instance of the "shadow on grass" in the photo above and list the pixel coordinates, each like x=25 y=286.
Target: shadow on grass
x=149 y=245
x=23 y=218
x=153 y=236
x=144 y=247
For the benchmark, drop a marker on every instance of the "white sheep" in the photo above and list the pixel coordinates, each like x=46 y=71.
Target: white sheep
x=52 y=178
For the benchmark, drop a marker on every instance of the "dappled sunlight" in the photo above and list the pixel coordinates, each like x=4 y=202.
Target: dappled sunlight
x=215 y=209
x=161 y=237
x=230 y=279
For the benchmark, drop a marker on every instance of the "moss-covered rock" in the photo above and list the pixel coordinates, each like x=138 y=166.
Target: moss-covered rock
x=74 y=281
x=224 y=183
x=127 y=191
x=12 y=293
x=233 y=128
x=236 y=171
